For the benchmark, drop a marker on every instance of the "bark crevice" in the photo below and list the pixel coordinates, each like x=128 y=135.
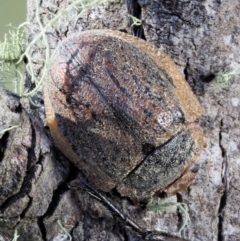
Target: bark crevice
x=223 y=199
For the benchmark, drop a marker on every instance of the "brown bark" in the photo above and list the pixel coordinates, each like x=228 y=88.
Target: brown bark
x=202 y=37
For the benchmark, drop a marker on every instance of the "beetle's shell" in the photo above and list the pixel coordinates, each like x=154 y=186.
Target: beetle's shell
x=121 y=111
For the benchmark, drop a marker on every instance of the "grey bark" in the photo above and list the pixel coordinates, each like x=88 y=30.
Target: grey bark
x=202 y=37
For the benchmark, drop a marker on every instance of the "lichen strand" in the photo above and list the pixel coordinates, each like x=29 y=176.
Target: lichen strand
x=111 y=98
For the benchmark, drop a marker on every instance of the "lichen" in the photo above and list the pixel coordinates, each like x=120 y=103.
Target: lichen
x=15 y=49
x=222 y=79
x=7 y=129
x=64 y=230
x=16 y=236
x=11 y=50
x=161 y=207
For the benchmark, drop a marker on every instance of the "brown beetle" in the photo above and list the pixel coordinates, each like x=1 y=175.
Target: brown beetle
x=121 y=111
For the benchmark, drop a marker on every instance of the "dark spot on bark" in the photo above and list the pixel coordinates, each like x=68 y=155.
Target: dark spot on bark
x=208 y=78
x=18 y=109
x=124 y=69
x=122 y=30
x=91 y=55
x=170 y=5
x=3 y=144
x=69 y=99
x=94 y=116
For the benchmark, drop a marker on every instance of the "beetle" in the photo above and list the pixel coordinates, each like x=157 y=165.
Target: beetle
x=122 y=112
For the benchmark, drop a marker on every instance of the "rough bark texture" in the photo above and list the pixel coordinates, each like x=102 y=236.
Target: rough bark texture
x=203 y=38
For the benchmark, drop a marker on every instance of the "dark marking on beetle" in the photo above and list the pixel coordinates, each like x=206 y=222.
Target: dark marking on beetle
x=164 y=163
x=116 y=82
x=147 y=148
x=147 y=113
x=109 y=55
x=168 y=77
x=137 y=81
x=3 y=144
x=147 y=91
x=125 y=122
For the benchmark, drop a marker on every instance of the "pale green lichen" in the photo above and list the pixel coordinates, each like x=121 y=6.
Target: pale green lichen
x=222 y=79
x=16 y=236
x=14 y=49
x=83 y=6
x=136 y=21
x=161 y=207
x=7 y=129
x=64 y=230
x=11 y=50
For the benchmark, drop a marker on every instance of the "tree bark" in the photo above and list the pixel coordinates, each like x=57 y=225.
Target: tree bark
x=203 y=38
